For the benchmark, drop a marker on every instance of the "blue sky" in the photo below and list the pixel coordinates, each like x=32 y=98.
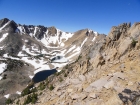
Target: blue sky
x=72 y=15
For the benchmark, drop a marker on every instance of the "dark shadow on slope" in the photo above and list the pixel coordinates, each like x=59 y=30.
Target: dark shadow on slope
x=42 y=75
x=128 y=96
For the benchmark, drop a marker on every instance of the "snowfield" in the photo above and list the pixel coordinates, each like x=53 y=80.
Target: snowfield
x=18 y=92
x=7 y=96
x=2 y=67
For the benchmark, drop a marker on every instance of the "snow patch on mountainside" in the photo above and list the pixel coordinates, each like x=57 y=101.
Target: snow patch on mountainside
x=1 y=48
x=20 y=54
x=60 y=59
x=30 y=76
x=26 y=40
x=7 y=96
x=4 y=36
x=64 y=35
x=30 y=51
x=20 y=28
x=84 y=42
x=96 y=34
x=35 y=31
x=78 y=49
x=59 y=65
x=73 y=55
x=93 y=39
x=2 y=67
x=18 y=92
x=0 y=77
x=71 y=48
x=59 y=38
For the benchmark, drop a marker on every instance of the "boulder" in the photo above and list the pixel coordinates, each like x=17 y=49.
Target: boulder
x=75 y=81
x=98 y=84
x=69 y=90
x=74 y=96
x=109 y=84
x=118 y=89
x=82 y=78
x=89 y=89
x=92 y=95
x=83 y=96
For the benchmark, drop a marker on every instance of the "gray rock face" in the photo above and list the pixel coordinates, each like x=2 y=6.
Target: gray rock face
x=7 y=25
x=11 y=27
x=13 y=45
x=3 y=21
x=40 y=33
x=129 y=96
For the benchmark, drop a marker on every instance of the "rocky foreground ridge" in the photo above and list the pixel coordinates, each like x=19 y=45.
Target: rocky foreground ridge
x=107 y=72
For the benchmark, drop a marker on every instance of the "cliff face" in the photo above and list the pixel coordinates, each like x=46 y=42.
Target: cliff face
x=105 y=73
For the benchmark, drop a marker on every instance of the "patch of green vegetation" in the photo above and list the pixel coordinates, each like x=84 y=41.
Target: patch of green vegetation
x=51 y=87
x=47 y=81
x=65 y=75
x=9 y=101
x=26 y=91
x=31 y=99
x=60 y=79
x=42 y=86
x=57 y=73
x=134 y=42
x=33 y=90
x=40 y=93
x=5 y=76
x=88 y=58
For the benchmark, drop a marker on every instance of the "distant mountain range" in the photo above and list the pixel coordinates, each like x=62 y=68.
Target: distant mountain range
x=28 y=49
